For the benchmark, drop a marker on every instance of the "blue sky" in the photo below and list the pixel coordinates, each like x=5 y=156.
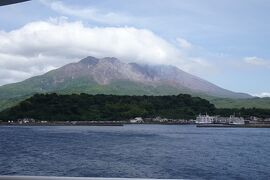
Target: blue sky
x=225 y=42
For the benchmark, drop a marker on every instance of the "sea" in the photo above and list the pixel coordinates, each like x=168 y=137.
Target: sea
x=136 y=151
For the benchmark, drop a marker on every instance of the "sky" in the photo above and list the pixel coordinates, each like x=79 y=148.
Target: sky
x=225 y=42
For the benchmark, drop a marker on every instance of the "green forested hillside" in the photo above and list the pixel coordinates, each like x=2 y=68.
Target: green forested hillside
x=136 y=89
x=261 y=103
x=107 y=107
x=80 y=107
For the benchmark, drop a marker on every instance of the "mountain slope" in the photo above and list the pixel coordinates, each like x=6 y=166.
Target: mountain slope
x=111 y=76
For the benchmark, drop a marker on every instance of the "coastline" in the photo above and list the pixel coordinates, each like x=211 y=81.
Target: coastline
x=61 y=124
x=122 y=123
x=233 y=125
x=89 y=123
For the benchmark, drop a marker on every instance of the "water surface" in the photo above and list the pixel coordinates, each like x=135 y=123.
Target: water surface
x=141 y=151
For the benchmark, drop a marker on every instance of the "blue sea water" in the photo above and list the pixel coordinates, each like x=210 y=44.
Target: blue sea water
x=141 y=151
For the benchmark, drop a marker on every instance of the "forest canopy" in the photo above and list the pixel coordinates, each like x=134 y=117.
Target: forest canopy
x=85 y=107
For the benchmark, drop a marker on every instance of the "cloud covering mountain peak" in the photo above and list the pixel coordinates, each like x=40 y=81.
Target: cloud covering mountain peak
x=44 y=45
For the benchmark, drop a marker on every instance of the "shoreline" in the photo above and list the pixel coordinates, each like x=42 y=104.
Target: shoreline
x=61 y=124
x=233 y=125
x=88 y=124
x=122 y=123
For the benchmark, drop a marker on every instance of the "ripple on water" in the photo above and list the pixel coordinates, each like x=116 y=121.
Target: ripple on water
x=142 y=151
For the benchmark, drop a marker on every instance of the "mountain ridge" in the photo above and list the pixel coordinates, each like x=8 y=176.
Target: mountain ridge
x=109 y=75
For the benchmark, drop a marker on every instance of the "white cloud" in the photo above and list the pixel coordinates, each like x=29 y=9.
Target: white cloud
x=88 y=13
x=199 y=66
x=264 y=94
x=183 y=43
x=255 y=61
x=44 y=45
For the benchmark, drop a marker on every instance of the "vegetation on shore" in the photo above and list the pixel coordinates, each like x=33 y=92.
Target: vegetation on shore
x=82 y=107
x=106 y=107
x=11 y=95
x=249 y=103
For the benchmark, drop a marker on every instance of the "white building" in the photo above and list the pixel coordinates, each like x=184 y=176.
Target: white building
x=205 y=119
x=222 y=120
x=236 y=120
x=156 y=119
x=137 y=120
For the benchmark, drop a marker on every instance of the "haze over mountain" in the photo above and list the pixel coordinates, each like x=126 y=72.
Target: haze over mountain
x=112 y=76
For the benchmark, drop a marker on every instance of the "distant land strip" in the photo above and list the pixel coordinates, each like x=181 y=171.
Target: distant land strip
x=85 y=107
